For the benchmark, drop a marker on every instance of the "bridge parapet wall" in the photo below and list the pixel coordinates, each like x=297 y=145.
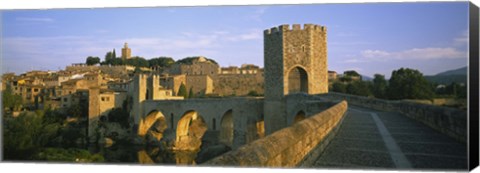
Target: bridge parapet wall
x=449 y=121
x=287 y=147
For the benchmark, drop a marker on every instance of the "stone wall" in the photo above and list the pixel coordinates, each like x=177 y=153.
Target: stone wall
x=196 y=68
x=449 y=121
x=287 y=147
x=238 y=84
x=200 y=84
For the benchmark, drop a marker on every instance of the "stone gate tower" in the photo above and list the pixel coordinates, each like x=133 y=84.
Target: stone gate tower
x=295 y=60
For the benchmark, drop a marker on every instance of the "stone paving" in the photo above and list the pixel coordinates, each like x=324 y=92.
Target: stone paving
x=370 y=139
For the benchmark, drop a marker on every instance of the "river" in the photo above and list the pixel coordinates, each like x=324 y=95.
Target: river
x=130 y=154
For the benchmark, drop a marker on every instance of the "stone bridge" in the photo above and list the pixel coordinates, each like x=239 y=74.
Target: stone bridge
x=358 y=134
x=230 y=121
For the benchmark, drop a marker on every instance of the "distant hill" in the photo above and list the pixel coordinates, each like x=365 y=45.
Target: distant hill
x=460 y=71
x=447 y=77
x=366 y=78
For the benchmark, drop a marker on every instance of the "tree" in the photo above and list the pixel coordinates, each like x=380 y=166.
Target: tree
x=11 y=100
x=182 y=91
x=190 y=93
x=360 y=88
x=26 y=134
x=351 y=73
x=408 y=83
x=113 y=54
x=108 y=58
x=190 y=60
x=339 y=87
x=119 y=115
x=379 y=86
x=92 y=60
x=161 y=62
x=137 y=62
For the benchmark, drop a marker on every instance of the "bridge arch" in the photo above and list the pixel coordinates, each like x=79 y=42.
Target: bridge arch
x=299 y=117
x=297 y=80
x=190 y=130
x=255 y=128
x=154 y=124
x=226 y=128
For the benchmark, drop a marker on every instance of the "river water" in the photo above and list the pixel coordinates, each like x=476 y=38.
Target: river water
x=130 y=154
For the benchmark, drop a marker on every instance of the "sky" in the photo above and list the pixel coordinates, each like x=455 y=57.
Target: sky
x=370 y=38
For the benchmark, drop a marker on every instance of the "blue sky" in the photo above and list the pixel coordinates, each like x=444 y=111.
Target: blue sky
x=369 y=38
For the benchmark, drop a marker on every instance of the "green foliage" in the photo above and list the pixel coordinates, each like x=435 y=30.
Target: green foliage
x=68 y=155
x=360 y=88
x=137 y=62
x=339 y=87
x=53 y=116
x=190 y=93
x=182 y=91
x=119 y=115
x=79 y=110
x=351 y=73
x=452 y=90
x=345 y=79
x=189 y=60
x=10 y=100
x=25 y=134
x=113 y=54
x=447 y=79
x=161 y=62
x=108 y=58
x=253 y=93
x=379 y=88
x=71 y=133
x=407 y=83
x=92 y=60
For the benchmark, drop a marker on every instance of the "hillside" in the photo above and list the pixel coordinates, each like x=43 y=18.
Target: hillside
x=460 y=71
x=366 y=78
x=447 y=77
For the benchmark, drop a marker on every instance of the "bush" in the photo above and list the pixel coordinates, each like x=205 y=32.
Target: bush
x=68 y=155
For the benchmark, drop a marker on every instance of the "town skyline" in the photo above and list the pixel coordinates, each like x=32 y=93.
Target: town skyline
x=361 y=37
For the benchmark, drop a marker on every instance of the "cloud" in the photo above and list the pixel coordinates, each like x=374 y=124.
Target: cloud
x=251 y=35
x=353 y=61
x=375 y=54
x=258 y=13
x=35 y=19
x=462 y=39
x=415 y=53
x=59 y=51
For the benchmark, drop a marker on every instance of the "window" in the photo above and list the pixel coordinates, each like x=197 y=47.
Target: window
x=35 y=90
x=65 y=99
x=103 y=99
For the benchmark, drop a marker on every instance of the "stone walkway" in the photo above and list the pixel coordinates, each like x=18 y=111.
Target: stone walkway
x=370 y=139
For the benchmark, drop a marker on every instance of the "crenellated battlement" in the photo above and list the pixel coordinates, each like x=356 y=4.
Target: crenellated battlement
x=295 y=27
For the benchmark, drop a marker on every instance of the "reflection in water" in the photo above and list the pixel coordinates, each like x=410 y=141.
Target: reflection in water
x=143 y=158
x=144 y=155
